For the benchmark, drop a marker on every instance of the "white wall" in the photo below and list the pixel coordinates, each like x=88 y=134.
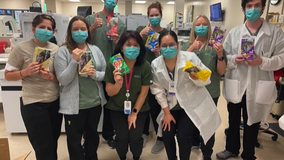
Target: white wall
x=168 y=11
x=16 y=4
x=278 y=8
x=197 y=9
x=59 y=7
x=233 y=11
x=51 y=5
x=71 y=9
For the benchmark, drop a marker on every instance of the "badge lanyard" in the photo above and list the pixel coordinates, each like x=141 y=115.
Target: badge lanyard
x=127 y=84
x=172 y=89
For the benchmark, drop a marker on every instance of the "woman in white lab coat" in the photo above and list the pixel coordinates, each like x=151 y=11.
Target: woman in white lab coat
x=186 y=103
x=249 y=84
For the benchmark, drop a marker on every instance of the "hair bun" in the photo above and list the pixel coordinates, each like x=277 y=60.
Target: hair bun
x=155 y=5
x=159 y=5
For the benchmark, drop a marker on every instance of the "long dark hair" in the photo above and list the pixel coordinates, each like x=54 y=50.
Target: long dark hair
x=69 y=42
x=124 y=37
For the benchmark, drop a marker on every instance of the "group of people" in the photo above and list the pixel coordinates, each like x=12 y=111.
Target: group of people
x=178 y=103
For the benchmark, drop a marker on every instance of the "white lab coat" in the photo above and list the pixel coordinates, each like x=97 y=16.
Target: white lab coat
x=257 y=82
x=192 y=96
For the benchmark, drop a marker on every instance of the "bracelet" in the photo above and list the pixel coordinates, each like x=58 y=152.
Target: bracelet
x=21 y=74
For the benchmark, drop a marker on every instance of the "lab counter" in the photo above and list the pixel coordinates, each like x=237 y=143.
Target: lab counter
x=3 y=61
x=11 y=92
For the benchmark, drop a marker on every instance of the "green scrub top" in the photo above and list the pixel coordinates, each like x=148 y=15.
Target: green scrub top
x=99 y=37
x=150 y=56
x=88 y=91
x=142 y=76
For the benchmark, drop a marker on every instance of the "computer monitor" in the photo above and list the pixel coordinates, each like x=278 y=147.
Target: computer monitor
x=216 y=12
x=84 y=11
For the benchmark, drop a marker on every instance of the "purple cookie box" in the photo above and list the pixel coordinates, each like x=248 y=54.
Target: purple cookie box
x=219 y=39
x=247 y=51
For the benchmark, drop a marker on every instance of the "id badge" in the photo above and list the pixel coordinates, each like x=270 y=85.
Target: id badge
x=172 y=89
x=127 y=107
x=109 y=38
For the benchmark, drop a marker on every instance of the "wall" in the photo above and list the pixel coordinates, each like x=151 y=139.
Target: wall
x=278 y=8
x=16 y=4
x=233 y=12
x=59 y=7
x=168 y=11
x=197 y=10
x=51 y=5
x=71 y=9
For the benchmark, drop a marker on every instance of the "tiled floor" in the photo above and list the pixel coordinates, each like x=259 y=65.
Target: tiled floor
x=269 y=150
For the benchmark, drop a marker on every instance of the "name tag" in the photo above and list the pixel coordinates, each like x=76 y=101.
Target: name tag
x=172 y=89
x=127 y=107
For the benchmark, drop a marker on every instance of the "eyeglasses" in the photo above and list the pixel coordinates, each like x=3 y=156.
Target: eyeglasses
x=171 y=46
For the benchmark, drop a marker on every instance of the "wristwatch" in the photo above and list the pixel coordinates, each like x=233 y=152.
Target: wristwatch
x=221 y=59
x=134 y=110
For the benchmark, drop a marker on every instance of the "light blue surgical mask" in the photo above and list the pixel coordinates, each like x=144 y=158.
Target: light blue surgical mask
x=79 y=36
x=43 y=35
x=155 y=21
x=169 y=52
x=131 y=53
x=201 y=31
x=110 y=4
x=253 y=14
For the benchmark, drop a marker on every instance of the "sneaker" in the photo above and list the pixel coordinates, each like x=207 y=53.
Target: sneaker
x=195 y=147
x=158 y=147
x=146 y=138
x=111 y=144
x=225 y=155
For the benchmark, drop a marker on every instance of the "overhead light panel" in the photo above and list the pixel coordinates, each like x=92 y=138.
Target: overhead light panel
x=141 y=2
x=171 y=2
x=74 y=1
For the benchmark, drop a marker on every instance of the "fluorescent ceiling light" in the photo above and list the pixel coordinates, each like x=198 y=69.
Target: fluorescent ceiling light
x=74 y=0
x=171 y=2
x=142 y=2
x=102 y=1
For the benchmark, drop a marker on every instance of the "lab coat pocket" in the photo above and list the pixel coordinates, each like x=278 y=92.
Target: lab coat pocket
x=232 y=90
x=266 y=92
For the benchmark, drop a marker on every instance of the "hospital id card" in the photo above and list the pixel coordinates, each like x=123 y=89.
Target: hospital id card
x=172 y=89
x=127 y=107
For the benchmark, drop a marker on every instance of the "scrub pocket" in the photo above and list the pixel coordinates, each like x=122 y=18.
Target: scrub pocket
x=232 y=90
x=266 y=92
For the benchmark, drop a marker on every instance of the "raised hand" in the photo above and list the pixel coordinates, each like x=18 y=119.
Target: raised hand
x=146 y=30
